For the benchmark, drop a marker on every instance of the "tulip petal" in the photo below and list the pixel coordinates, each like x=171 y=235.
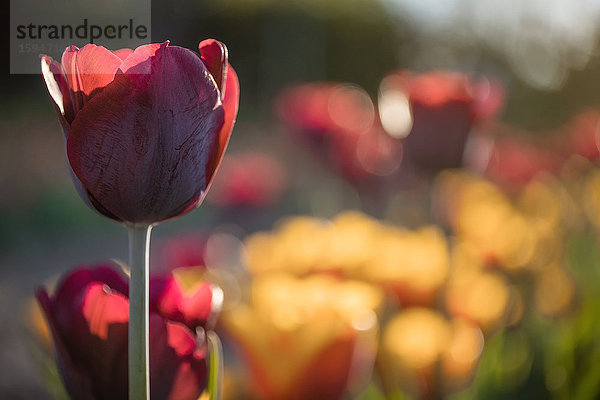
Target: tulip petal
x=87 y=198
x=92 y=319
x=69 y=64
x=144 y=146
x=328 y=374
x=214 y=56
x=59 y=91
x=69 y=290
x=76 y=382
x=177 y=371
x=123 y=53
x=88 y=71
x=105 y=314
x=58 y=88
x=139 y=58
x=488 y=99
x=102 y=307
x=230 y=105
x=169 y=300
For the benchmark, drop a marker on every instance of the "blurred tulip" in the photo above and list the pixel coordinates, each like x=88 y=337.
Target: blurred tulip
x=482 y=215
x=145 y=130
x=372 y=154
x=341 y=122
x=327 y=109
x=480 y=297
x=551 y=212
x=514 y=162
x=303 y=245
x=88 y=317
x=306 y=338
x=429 y=356
x=249 y=179
x=413 y=265
x=298 y=247
x=436 y=113
x=354 y=237
x=582 y=136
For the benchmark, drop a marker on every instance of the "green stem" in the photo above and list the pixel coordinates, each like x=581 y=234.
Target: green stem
x=139 y=371
x=215 y=373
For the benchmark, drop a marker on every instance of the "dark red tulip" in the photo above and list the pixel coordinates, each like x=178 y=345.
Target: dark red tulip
x=88 y=317
x=145 y=130
x=445 y=107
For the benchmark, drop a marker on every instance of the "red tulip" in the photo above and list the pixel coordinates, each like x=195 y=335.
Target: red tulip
x=145 y=130
x=444 y=107
x=88 y=317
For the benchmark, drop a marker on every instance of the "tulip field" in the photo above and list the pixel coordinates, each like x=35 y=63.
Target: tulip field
x=306 y=200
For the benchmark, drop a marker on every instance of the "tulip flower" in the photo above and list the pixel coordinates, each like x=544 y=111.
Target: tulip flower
x=146 y=129
x=429 y=356
x=480 y=297
x=412 y=265
x=497 y=233
x=340 y=120
x=436 y=112
x=326 y=109
x=308 y=338
x=88 y=318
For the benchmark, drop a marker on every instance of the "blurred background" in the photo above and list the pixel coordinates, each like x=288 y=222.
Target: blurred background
x=422 y=172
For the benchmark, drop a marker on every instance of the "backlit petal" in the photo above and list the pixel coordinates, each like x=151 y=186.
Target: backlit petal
x=214 y=56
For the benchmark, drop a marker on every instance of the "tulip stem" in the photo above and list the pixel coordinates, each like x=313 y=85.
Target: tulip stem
x=215 y=373
x=139 y=371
